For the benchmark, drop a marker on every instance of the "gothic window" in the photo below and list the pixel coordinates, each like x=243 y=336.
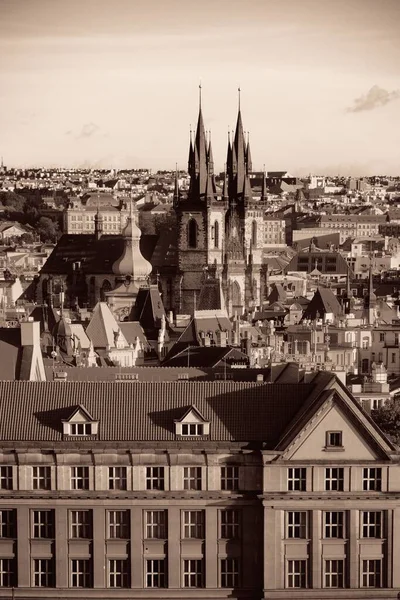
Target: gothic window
x=216 y=234
x=192 y=234
x=254 y=233
x=106 y=287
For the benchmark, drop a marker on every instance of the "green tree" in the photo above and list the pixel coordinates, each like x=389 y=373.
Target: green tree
x=387 y=417
x=47 y=229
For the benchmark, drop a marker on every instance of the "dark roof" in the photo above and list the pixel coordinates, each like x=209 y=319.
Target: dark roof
x=10 y=353
x=148 y=309
x=324 y=301
x=165 y=250
x=329 y=263
x=205 y=356
x=33 y=411
x=211 y=295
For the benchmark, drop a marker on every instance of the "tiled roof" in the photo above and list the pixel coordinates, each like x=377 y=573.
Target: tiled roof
x=129 y=412
x=324 y=301
x=102 y=327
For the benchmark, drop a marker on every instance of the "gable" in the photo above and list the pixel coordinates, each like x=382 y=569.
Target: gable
x=80 y=416
x=193 y=416
x=311 y=443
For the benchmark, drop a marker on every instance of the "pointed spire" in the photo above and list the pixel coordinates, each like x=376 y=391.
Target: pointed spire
x=249 y=163
x=210 y=155
x=247 y=192
x=225 y=187
x=191 y=155
x=176 y=187
x=228 y=166
x=264 y=186
x=200 y=156
x=239 y=91
x=239 y=146
x=209 y=187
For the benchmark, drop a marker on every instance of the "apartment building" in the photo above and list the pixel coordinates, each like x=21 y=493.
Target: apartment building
x=195 y=490
x=352 y=225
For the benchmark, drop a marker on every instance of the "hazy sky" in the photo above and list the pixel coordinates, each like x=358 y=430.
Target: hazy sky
x=114 y=83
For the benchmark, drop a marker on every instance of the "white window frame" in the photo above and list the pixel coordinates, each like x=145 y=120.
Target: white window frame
x=229 y=525
x=155 y=524
x=368 y=570
x=192 y=429
x=371 y=522
x=193 y=524
x=80 y=429
x=230 y=478
x=297 y=479
x=295 y=573
x=80 y=478
x=43 y=572
x=156 y=573
x=41 y=477
x=372 y=479
x=117 y=478
x=155 y=478
x=334 y=568
x=296 y=524
x=334 y=439
x=8 y=523
x=81 y=571
x=43 y=524
x=229 y=573
x=81 y=524
x=193 y=573
x=118 y=573
x=118 y=524
x=333 y=524
x=192 y=477
x=7 y=572
x=334 y=479
x=6 y=477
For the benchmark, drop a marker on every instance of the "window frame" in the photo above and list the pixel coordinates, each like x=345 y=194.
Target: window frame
x=8 y=525
x=117 y=478
x=338 y=572
x=370 y=526
x=229 y=478
x=229 y=572
x=156 y=575
x=229 y=524
x=118 y=568
x=80 y=528
x=334 y=436
x=80 y=481
x=155 y=478
x=365 y=572
x=301 y=527
x=188 y=571
x=192 y=429
x=158 y=529
x=8 y=577
x=118 y=529
x=192 y=478
x=193 y=524
x=41 y=477
x=334 y=483
x=372 y=483
x=42 y=528
x=86 y=572
x=338 y=527
x=6 y=477
x=47 y=574
x=293 y=477
x=296 y=573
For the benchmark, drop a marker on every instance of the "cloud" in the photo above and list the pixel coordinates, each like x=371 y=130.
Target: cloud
x=375 y=98
x=88 y=129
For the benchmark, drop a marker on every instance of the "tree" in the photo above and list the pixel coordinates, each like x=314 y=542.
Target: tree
x=387 y=417
x=47 y=229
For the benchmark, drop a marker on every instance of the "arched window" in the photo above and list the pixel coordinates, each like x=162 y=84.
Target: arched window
x=106 y=287
x=254 y=233
x=192 y=234
x=216 y=234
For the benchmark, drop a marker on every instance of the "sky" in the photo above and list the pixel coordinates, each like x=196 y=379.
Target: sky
x=115 y=84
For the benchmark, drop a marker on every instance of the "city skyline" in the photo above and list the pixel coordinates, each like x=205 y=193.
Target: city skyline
x=100 y=85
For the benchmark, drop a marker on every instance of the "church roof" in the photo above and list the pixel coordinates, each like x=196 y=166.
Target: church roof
x=148 y=308
x=324 y=301
x=102 y=327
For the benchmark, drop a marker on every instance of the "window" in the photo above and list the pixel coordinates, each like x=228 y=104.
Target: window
x=371 y=573
x=192 y=429
x=79 y=478
x=381 y=336
x=216 y=234
x=155 y=478
x=334 y=479
x=333 y=524
x=6 y=477
x=117 y=478
x=118 y=573
x=193 y=524
x=393 y=357
x=156 y=573
x=7 y=572
x=43 y=572
x=372 y=479
x=81 y=573
x=296 y=574
x=41 y=478
x=334 y=574
x=296 y=524
x=229 y=524
x=43 y=524
x=80 y=429
x=118 y=525
x=229 y=478
x=192 y=478
x=230 y=573
x=8 y=523
x=81 y=524
x=371 y=524
x=192 y=234
x=334 y=439
x=193 y=573
x=156 y=524
x=297 y=479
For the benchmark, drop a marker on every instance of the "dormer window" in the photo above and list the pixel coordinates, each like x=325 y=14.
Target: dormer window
x=334 y=440
x=80 y=423
x=192 y=424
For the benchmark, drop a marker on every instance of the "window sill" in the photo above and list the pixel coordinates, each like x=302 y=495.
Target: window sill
x=333 y=449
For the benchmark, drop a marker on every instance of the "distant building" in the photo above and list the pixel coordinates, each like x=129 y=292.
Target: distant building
x=79 y=216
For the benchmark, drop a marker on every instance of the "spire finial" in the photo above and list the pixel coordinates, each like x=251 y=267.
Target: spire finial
x=200 y=95
x=239 y=90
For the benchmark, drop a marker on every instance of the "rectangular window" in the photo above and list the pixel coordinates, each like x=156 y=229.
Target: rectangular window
x=117 y=478
x=334 y=479
x=334 y=439
x=296 y=524
x=41 y=478
x=6 y=477
x=81 y=573
x=118 y=573
x=7 y=572
x=8 y=523
x=192 y=478
x=393 y=357
x=381 y=337
x=193 y=573
x=230 y=478
x=79 y=478
x=156 y=524
x=372 y=573
x=296 y=574
x=229 y=524
x=43 y=572
x=297 y=479
x=371 y=524
x=80 y=429
x=43 y=524
x=156 y=573
x=333 y=524
x=192 y=429
x=81 y=524
x=334 y=574
x=372 y=479
x=229 y=572
x=155 y=478
x=193 y=524
x=118 y=526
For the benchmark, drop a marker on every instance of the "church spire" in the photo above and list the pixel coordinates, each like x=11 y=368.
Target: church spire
x=176 y=186
x=199 y=175
x=191 y=155
x=264 y=186
x=239 y=147
x=225 y=194
x=210 y=157
x=249 y=163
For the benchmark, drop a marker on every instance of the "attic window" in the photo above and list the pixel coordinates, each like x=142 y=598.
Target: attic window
x=80 y=429
x=80 y=423
x=192 y=424
x=334 y=439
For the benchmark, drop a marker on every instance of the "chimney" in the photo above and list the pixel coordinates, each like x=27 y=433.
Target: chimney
x=30 y=333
